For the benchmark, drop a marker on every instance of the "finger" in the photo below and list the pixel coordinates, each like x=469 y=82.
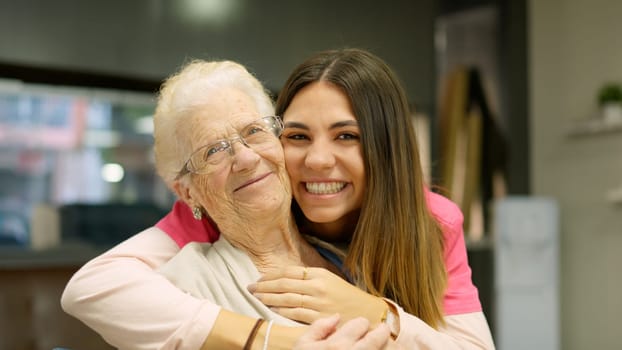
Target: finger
x=320 y=329
x=282 y=285
x=377 y=338
x=289 y=300
x=303 y=315
x=353 y=329
x=289 y=272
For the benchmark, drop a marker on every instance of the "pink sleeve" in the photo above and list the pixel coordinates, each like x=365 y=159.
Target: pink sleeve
x=464 y=331
x=461 y=295
x=183 y=228
x=120 y=296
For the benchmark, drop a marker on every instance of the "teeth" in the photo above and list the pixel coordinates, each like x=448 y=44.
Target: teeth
x=325 y=187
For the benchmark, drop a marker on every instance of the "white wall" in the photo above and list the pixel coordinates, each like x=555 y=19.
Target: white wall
x=574 y=47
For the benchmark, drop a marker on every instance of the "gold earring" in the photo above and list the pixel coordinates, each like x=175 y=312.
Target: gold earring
x=196 y=212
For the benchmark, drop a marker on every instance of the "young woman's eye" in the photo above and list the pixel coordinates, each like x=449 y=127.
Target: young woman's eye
x=348 y=136
x=296 y=137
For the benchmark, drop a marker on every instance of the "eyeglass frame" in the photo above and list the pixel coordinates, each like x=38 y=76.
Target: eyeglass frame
x=276 y=130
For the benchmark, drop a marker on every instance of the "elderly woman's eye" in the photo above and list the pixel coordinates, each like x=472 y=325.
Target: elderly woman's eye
x=254 y=130
x=211 y=150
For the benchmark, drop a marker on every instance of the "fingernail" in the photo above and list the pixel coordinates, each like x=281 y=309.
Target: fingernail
x=252 y=287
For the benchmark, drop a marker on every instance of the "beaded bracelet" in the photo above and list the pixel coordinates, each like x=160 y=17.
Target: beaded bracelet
x=253 y=334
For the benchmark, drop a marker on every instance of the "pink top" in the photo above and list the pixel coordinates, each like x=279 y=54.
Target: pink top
x=461 y=295
x=181 y=226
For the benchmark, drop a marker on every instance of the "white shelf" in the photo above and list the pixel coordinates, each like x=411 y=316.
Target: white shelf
x=594 y=127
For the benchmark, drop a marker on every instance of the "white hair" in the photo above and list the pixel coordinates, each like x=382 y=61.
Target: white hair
x=187 y=90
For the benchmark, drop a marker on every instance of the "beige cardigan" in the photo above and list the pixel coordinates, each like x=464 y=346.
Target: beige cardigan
x=219 y=272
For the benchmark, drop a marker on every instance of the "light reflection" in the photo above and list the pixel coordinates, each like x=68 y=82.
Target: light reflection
x=112 y=172
x=208 y=12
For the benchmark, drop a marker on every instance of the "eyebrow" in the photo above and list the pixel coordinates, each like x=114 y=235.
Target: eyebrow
x=332 y=126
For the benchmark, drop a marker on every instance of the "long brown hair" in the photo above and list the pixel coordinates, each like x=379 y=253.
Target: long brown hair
x=396 y=250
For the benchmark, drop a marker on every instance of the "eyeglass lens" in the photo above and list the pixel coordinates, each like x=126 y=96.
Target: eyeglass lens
x=258 y=135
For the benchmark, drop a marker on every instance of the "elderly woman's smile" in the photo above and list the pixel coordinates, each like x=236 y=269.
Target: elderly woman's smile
x=254 y=181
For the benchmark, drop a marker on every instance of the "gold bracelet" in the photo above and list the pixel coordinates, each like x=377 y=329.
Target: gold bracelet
x=391 y=319
x=385 y=312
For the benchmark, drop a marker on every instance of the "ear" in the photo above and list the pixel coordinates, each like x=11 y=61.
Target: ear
x=183 y=192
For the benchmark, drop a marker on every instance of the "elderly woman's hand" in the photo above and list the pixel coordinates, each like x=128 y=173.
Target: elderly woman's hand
x=354 y=334
x=307 y=294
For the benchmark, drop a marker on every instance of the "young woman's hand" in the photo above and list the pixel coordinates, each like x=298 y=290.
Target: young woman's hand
x=307 y=294
x=354 y=334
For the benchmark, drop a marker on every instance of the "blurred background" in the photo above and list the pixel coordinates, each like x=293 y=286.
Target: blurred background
x=512 y=102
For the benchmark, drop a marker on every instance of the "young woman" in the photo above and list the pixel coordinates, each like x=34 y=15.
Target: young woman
x=353 y=161
x=356 y=178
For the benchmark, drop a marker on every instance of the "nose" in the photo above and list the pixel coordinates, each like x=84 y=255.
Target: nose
x=319 y=156
x=244 y=157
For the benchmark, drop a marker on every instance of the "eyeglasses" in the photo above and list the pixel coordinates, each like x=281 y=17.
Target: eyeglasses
x=258 y=136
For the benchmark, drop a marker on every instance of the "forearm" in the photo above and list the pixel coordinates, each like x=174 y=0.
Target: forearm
x=121 y=297
x=464 y=331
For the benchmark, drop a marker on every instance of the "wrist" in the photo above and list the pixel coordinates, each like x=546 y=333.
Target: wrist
x=280 y=337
